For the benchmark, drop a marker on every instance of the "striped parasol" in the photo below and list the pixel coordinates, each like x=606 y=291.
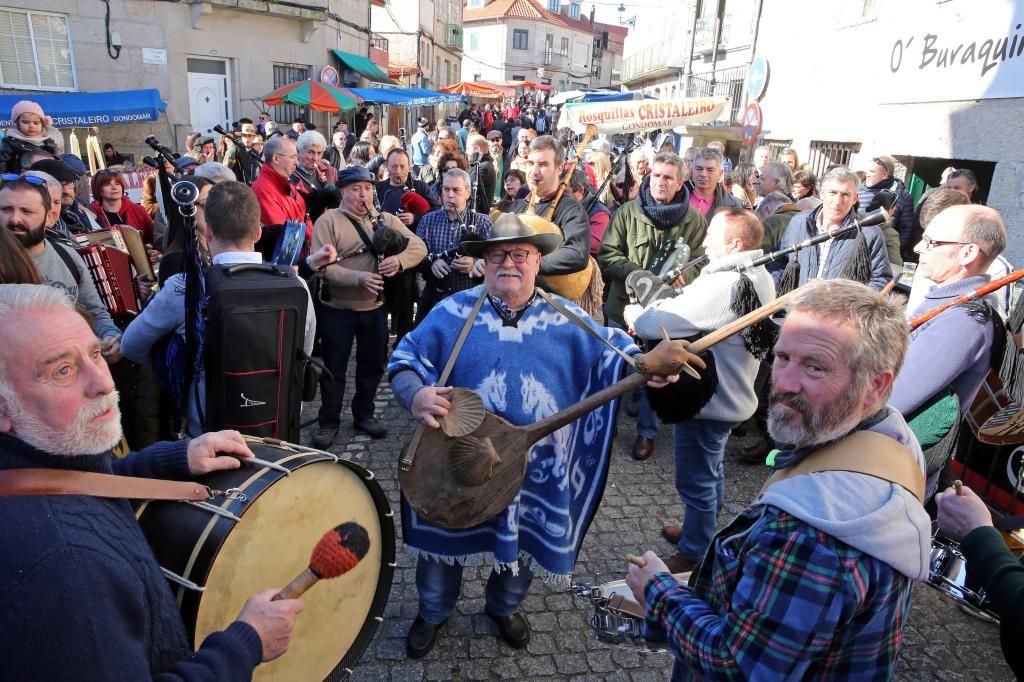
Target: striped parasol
x=469 y=89
x=316 y=96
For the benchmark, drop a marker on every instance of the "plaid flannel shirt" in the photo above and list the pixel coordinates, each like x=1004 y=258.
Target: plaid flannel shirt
x=781 y=600
x=440 y=233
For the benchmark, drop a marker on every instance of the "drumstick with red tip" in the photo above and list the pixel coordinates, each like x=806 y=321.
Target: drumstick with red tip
x=337 y=552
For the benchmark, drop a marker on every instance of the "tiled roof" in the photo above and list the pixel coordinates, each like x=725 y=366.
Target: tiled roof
x=524 y=9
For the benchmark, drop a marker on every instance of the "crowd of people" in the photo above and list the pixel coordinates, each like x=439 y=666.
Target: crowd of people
x=474 y=255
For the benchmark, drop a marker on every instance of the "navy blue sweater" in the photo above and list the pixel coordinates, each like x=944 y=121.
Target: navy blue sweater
x=81 y=595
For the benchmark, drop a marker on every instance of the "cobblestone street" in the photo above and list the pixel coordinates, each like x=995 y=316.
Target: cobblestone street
x=941 y=641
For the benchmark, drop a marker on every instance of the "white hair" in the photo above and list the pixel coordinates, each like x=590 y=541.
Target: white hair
x=213 y=170
x=310 y=138
x=16 y=300
x=82 y=436
x=52 y=183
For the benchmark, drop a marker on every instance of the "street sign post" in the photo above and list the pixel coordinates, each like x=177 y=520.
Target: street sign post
x=751 y=123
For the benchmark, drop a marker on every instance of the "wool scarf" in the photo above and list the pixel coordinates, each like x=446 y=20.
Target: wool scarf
x=667 y=216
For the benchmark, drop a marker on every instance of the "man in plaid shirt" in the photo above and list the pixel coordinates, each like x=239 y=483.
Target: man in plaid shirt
x=812 y=580
x=442 y=231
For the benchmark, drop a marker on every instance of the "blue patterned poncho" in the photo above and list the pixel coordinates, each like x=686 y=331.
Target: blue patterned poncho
x=524 y=373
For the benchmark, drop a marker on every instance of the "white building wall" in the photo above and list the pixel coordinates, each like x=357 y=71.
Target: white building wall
x=251 y=42
x=811 y=96
x=488 y=58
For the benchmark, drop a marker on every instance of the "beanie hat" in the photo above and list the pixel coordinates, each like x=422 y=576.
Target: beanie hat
x=26 y=106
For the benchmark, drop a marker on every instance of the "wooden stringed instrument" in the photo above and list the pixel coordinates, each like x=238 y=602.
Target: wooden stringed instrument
x=471 y=468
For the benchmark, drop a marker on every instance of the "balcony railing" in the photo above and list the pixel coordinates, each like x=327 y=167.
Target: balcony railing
x=704 y=35
x=379 y=42
x=727 y=83
x=554 y=58
x=666 y=54
x=453 y=36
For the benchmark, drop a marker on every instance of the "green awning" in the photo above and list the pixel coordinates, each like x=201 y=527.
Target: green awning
x=363 y=66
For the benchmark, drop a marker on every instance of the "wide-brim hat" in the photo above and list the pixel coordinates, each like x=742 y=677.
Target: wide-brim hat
x=353 y=174
x=510 y=229
x=248 y=129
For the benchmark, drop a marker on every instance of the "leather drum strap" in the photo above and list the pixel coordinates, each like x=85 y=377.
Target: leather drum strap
x=63 y=482
x=862 y=452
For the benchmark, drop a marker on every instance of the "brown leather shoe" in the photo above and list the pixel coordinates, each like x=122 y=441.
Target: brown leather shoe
x=643 y=448
x=677 y=563
x=672 y=533
x=755 y=454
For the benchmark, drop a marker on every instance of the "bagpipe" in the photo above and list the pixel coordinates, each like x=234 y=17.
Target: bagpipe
x=165 y=181
x=876 y=217
x=574 y=285
x=249 y=169
x=621 y=164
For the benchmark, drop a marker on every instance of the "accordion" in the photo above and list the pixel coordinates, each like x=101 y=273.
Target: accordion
x=111 y=271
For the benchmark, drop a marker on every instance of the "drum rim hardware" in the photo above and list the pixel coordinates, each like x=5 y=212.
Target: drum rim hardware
x=628 y=632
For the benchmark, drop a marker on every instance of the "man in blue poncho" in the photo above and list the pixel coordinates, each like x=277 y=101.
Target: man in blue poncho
x=527 y=361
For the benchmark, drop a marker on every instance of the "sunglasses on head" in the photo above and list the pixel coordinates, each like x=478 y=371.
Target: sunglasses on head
x=30 y=179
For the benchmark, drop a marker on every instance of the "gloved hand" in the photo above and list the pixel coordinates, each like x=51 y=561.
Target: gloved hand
x=644 y=287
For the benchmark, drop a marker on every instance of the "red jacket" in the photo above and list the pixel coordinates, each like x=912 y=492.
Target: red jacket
x=130 y=214
x=279 y=200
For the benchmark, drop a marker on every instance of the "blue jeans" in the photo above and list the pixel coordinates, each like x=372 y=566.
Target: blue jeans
x=700 y=480
x=647 y=423
x=439 y=585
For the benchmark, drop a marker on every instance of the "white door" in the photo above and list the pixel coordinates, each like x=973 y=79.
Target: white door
x=209 y=94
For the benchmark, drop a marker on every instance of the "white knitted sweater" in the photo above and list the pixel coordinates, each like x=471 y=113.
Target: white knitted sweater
x=703 y=307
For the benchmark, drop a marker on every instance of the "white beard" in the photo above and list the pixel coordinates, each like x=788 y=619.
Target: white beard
x=81 y=438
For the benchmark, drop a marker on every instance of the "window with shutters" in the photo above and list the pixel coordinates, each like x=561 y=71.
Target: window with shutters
x=35 y=51
x=520 y=39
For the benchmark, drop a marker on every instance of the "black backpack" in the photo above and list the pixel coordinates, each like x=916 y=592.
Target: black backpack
x=253 y=329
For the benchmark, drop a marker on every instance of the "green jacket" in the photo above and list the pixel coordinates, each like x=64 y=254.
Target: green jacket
x=775 y=225
x=630 y=243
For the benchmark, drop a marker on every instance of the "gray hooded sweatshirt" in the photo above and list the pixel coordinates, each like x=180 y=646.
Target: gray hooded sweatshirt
x=878 y=518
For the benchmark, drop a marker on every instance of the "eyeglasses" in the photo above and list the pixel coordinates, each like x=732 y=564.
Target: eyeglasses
x=293 y=156
x=497 y=256
x=930 y=243
x=30 y=179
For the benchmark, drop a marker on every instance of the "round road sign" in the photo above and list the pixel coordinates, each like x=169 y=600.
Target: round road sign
x=751 y=123
x=329 y=76
x=757 y=77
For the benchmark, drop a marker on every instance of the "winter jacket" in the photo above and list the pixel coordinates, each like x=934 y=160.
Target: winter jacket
x=130 y=214
x=775 y=225
x=11 y=149
x=722 y=199
x=803 y=226
x=83 y=596
x=571 y=217
x=904 y=221
x=955 y=336
x=631 y=242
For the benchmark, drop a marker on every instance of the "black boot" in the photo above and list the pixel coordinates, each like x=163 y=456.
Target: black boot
x=421 y=638
x=515 y=630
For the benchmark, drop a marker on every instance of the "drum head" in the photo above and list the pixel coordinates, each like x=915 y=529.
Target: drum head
x=272 y=544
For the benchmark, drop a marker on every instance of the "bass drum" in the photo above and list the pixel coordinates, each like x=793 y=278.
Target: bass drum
x=218 y=555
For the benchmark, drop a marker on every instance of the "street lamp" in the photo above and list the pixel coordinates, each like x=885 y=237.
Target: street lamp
x=623 y=20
